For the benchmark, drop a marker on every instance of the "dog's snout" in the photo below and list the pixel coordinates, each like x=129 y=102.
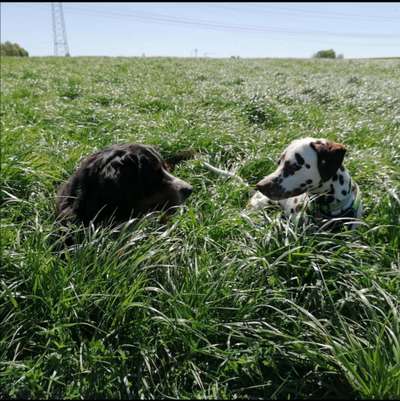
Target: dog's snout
x=182 y=188
x=270 y=188
x=263 y=186
x=186 y=191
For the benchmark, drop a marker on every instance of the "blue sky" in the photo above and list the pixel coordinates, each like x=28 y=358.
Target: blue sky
x=214 y=29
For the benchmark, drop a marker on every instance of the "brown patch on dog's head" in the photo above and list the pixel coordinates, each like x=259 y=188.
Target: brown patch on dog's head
x=330 y=157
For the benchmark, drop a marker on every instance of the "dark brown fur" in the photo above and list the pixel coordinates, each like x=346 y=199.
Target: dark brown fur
x=118 y=183
x=330 y=158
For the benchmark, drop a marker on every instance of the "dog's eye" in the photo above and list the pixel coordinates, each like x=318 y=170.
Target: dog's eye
x=281 y=157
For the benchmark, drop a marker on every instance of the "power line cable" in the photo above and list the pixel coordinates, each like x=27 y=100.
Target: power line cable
x=217 y=25
x=146 y=20
x=212 y=25
x=307 y=14
x=333 y=13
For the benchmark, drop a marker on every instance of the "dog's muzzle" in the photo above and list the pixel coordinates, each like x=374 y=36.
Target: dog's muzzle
x=186 y=191
x=183 y=188
x=270 y=187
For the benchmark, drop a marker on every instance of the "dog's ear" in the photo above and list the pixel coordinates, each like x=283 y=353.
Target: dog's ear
x=330 y=157
x=129 y=169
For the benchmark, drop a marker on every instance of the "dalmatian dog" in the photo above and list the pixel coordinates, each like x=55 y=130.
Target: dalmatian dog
x=310 y=174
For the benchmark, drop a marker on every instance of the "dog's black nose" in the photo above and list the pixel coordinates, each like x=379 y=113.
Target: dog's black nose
x=186 y=191
x=259 y=187
x=265 y=186
x=269 y=188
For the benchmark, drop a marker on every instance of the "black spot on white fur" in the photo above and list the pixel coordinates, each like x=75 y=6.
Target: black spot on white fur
x=290 y=168
x=299 y=159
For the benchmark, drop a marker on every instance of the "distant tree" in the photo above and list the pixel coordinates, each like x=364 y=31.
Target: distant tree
x=12 y=49
x=325 y=54
x=340 y=56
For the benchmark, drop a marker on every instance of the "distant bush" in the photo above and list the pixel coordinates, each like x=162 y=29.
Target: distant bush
x=325 y=54
x=12 y=49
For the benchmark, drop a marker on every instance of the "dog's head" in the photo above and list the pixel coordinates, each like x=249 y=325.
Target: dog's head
x=122 y=181
x=303 y=166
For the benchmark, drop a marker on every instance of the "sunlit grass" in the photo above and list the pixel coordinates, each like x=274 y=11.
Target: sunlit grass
x=219 y=301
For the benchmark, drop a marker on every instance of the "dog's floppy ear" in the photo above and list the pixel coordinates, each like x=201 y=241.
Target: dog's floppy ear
x=330 y=157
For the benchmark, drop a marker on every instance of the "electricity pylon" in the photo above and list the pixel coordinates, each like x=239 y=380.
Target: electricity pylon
x=59 y=33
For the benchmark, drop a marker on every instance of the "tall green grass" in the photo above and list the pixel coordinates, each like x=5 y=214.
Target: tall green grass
x=219 y=301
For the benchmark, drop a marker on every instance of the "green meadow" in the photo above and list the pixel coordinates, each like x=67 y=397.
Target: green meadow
x=218 y=302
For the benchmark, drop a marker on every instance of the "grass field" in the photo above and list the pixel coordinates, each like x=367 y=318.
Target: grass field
x=219 y=302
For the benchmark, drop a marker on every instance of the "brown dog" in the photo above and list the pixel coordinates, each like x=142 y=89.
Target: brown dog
x=121 y=182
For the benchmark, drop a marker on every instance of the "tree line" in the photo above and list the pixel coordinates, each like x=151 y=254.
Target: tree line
x=12 y=49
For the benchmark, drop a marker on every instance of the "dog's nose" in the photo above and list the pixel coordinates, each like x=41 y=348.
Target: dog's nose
x=269 y=188
x=186 y=191
x=264 y=186
x=259 y=187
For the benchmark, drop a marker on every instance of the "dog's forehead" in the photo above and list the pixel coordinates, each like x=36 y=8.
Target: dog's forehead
x=151 y=154
x=301 y=147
